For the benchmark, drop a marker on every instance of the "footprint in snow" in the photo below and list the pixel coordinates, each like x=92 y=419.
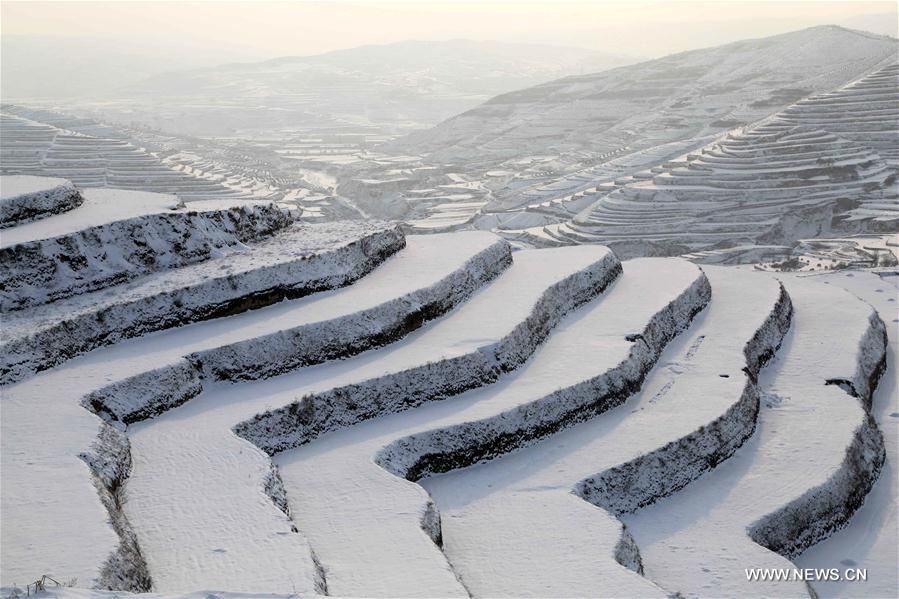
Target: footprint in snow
x=772 y=400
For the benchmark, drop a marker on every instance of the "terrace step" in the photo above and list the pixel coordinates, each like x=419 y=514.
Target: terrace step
x=24 y=198
x=869 y=539
x=304 y=259
x=586 y=366
x=115 y=236
x=802 y=475
x=844 y=153
x=685 y=420
x=457 y=354
x=49 y=148
x=69 y=530
x=500 y=324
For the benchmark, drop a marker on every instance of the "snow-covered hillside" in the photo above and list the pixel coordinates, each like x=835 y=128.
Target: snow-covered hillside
x=824 y=166
x=670 y=98
x=93 y=155
x=608 y=157
x=761 y=142
x=341 y=409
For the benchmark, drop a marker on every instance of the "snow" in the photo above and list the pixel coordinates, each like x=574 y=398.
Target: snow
x=319 y=179
x=303 y=259
x=550 y=412
x=367 y=525
x=784 y=177
x=786 y=487
x=213 y=399
x=870 y=540
x=12 y=186
x=62 y=527
x=483 y=507
x=100 y=207
x=64 y=592
x=415 y=287
x=25 y=198
x=199 y=528
x=43 y=270
x=492 y=333
x=195 y=439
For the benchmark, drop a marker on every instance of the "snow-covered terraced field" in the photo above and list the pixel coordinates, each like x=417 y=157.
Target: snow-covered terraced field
x=341 y=409
x=816 y=454
x=826 y=163
x=116 y=235
x=25 y=198
x=662 y=441
x=47 y=144
x=150 y=374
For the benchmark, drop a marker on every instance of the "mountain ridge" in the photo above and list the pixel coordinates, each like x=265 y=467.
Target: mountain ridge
x=406 y=85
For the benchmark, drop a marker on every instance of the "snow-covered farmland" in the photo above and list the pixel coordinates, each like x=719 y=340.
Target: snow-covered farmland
x=271 y=407
x=825 y=164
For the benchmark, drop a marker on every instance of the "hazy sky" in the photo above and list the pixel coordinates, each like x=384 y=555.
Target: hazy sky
x=69 y=49
x=252 y=30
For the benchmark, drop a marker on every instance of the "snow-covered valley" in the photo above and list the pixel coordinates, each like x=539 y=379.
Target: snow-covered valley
x=763 y=142
x=456 y=319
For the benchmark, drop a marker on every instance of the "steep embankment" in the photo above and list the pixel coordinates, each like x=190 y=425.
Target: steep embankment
x=24 y=199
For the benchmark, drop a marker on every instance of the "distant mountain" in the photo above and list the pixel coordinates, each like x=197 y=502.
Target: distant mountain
x=413 y=83
x=56 y=67
x=642 y=105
